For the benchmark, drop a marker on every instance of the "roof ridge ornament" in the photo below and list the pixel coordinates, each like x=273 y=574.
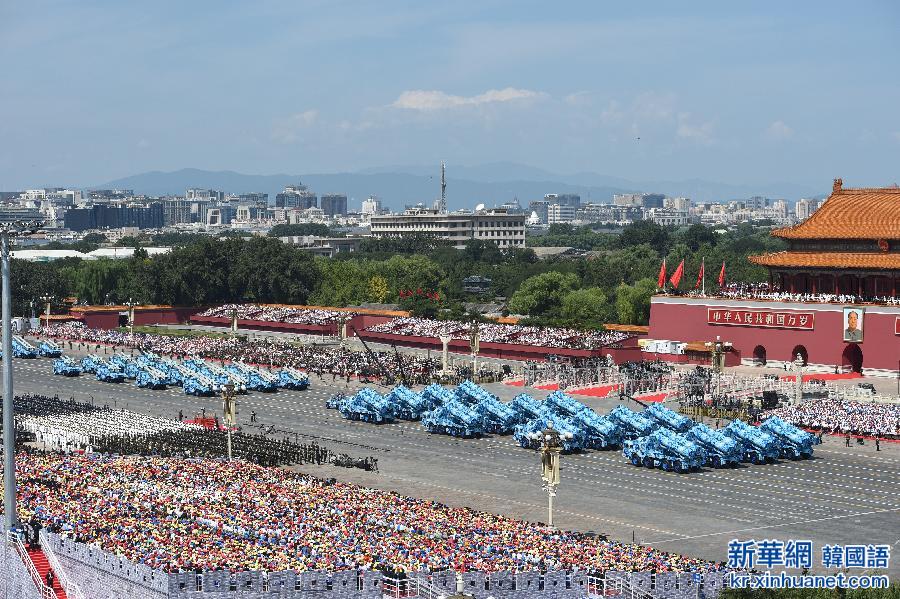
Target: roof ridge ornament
x=838 y=184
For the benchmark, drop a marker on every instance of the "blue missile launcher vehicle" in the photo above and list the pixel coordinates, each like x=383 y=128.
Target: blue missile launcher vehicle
x=722 y=451
x=600 y=432
x=498 y=417
x=435 y=395
x=407 y=404
x=795 y=443
x=470 y=394
x=217 y=374
x=254 y=378
x=49 y=349
x=572 y=437
x=526 y=408
x=334 y=402
x=291 y=378
x=109 y=372
x=23 y=349
x=91 y=362
x=192 y=381
x=367 y=405
x=454 y=418
x=633 y=425
x=665 y=449
x=668 y=418
x=66 y=366
x=759 y=446
x=150 y=377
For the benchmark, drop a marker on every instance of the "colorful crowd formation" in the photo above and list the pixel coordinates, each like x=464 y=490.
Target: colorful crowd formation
x=316 y=316
x=502 y=333
x=843 y=416
x=202 y=515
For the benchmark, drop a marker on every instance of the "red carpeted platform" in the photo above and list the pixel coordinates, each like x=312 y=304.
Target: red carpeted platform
x=548 y=387
x=653 y=398
x=825 y=376
x=515 y=383
x=596 y=391
x=43 y=566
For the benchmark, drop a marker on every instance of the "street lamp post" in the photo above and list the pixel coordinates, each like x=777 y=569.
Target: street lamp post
x=48 y=300
x=7 y=231
x=228 y=413
x=551 y=446
x=474 y=345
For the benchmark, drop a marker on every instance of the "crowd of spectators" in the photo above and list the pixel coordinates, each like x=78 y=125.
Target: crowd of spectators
x=765 y=291
x=317 y=316
x=503 y=333
x=843 y=416
x=181 y=514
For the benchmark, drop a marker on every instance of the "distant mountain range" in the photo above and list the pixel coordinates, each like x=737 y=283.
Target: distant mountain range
x=467 y=186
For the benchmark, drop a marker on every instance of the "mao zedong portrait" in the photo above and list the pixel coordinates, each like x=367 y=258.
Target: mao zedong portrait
x=853 y=332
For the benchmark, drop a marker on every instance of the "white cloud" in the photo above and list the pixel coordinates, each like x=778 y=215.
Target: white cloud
x=779 y=131
x=699 y=132
x=423 y=100
x=288 y=130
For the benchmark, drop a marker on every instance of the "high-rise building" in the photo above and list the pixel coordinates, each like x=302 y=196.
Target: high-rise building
x=209 y=195
x=804 y=208
x=539 y=207
x=296 y=196
x=560 y=213
x=115 y=216
x=497 y=226
x=371 y=205
x=334 y=204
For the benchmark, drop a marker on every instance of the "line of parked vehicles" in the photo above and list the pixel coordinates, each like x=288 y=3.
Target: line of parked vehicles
x=196 y=376
x=656 y=437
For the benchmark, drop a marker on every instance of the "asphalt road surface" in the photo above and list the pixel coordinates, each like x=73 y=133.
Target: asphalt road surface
x=842 y=496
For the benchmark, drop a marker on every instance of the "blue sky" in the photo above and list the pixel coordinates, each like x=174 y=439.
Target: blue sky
x=750 y=92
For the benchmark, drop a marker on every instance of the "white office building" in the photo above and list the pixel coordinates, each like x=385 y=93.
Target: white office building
x=496 y=225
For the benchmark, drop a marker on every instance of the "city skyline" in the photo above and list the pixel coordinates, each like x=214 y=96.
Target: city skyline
x=99 y=91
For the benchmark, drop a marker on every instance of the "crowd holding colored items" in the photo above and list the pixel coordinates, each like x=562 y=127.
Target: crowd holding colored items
x=843 y=416
x=502 y=333
x=316 y=316
x=204 y=515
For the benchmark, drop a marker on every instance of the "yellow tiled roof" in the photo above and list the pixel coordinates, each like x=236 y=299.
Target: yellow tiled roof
x=851 y=214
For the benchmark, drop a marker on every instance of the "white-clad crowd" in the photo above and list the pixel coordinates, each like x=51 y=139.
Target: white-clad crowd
x=66 y=425
x=843 y=416
x=502 y=333
x=317 y=316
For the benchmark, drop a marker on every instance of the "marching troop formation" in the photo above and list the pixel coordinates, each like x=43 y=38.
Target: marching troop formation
x=502 y=333
x=203 y=515
x=842 y=416
x=66 y=425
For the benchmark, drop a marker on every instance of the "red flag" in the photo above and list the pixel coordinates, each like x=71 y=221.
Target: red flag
x=676 y=276
x=661 y=282
x=722 y=275
x=700 y=275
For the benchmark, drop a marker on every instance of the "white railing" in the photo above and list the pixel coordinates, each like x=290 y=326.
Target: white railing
x=15 y=539
x=617 y=587
x=73 y=591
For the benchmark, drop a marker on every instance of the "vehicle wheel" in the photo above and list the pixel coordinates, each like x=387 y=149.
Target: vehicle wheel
x=667 y=466
x=648 y=462
x=756 y=459
x=677 y=467
x=716 y=462
x=635 y=460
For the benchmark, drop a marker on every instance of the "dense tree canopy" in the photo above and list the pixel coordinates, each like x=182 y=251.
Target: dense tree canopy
x=611 y=283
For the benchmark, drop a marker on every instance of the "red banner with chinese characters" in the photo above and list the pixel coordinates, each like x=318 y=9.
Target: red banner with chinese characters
x=769 y=319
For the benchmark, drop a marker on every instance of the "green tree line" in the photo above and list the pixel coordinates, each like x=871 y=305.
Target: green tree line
x=611 y=282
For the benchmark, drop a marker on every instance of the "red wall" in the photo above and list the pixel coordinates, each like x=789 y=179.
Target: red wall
x=685 y=319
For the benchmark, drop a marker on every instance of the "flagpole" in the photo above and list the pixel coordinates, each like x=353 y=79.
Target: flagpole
x=703 y=268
